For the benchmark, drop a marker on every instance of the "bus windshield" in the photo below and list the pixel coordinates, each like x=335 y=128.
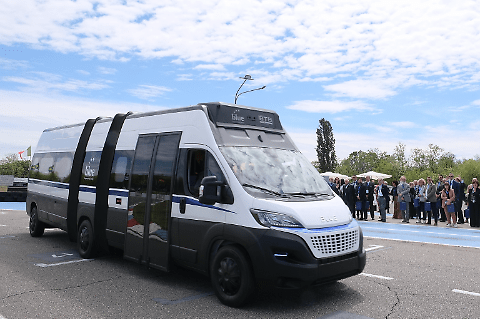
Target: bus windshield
x=271 y=172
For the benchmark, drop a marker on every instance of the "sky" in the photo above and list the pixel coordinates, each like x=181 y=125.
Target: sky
x=381 y=72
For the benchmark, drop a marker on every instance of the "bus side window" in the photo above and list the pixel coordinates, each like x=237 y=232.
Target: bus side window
x=46 y=166
x=200 y=166
x=120 y=169
x=119 y=175
x=63 y=166
x=35 y=167
x=196 y=170
x=213 y=169
x=90 y=168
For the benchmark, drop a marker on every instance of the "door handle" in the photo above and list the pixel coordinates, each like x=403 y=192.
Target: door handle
x=183 y=205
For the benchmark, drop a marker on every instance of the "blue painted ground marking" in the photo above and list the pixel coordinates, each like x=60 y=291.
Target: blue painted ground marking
x=423 y=233
x=13 y=205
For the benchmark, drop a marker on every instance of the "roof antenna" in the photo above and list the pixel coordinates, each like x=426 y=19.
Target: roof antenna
x=245 y=78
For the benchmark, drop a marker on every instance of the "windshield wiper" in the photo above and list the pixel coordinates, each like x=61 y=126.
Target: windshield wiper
x=264 y=189
x=308 y=194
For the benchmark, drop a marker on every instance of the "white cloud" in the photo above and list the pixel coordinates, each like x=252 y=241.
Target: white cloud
x=9 y=64
x=417 y=41
x=83 y=72
x=147 y=92
x=361 y=89
x=24 y=115
x=104 y=70
x=185 y=77
x=217 y=67
x=329 y=106
x=42 y=81
x=403 y=124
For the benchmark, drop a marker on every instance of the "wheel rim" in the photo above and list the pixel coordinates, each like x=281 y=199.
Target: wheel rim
x=229 y=276
x=84 y=238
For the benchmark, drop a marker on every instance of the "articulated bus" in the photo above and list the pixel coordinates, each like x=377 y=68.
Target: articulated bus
x=218 y=188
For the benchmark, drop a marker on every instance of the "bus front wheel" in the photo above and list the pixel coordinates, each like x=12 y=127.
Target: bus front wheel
x=232 y=276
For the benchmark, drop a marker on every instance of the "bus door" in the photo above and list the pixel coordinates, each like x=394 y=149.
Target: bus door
x=149 y=203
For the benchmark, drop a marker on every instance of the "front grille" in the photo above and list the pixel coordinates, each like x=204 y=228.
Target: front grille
x=335 y=243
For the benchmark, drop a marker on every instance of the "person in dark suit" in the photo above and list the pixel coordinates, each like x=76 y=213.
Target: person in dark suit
x=360 y=192
x=349 y=196
x=413 y=194
x=439 y=208
x=387 y=208
x=370 y=191
x=459 y=189
x=474 y=204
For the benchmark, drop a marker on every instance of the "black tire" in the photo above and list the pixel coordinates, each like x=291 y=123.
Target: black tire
x=35 y=226
x=86 y=240
x=232 y=276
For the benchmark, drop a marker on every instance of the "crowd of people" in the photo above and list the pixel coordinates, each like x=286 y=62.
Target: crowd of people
x=442 y=200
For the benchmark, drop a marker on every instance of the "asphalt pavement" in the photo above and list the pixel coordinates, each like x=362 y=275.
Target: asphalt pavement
x=412 y=271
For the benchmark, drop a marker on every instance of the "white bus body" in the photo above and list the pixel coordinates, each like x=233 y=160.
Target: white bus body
x=200 y=187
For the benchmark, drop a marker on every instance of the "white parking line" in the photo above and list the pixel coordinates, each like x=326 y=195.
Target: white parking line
x=59 y=264
x=376 y=276
x=373 y=247
x=466 y=292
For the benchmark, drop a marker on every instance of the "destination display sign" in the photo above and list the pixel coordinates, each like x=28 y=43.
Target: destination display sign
x=228 y=115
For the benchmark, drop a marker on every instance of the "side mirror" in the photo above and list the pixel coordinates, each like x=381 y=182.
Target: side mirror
x=212 y=191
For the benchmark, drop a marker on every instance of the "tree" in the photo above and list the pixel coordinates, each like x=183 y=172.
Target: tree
x=327 y=160
x=373 y=160
x=469 y=169
x=11 y=165
x=400 y=158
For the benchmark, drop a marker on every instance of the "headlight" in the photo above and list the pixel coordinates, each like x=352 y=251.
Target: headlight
x=270 y=219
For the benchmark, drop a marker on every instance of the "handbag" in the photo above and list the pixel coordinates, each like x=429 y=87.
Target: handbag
x=428 y=207
x=451 y=208
x=416 y=202
x=358 y=205
x=467 y=213
x=403 y=206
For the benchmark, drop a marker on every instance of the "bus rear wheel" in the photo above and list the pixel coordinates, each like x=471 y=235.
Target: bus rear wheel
x=85 y=240
x=35 y=226
x=232 y=276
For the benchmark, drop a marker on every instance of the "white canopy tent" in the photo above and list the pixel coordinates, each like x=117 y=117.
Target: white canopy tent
x=331 y=174
x=374 y=175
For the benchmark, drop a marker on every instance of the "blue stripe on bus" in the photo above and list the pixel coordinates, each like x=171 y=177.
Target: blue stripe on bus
x=86 y=189
x=49 y=183
x=193 y=202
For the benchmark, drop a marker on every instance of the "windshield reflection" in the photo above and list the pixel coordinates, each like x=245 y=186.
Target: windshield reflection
x=270 y=172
